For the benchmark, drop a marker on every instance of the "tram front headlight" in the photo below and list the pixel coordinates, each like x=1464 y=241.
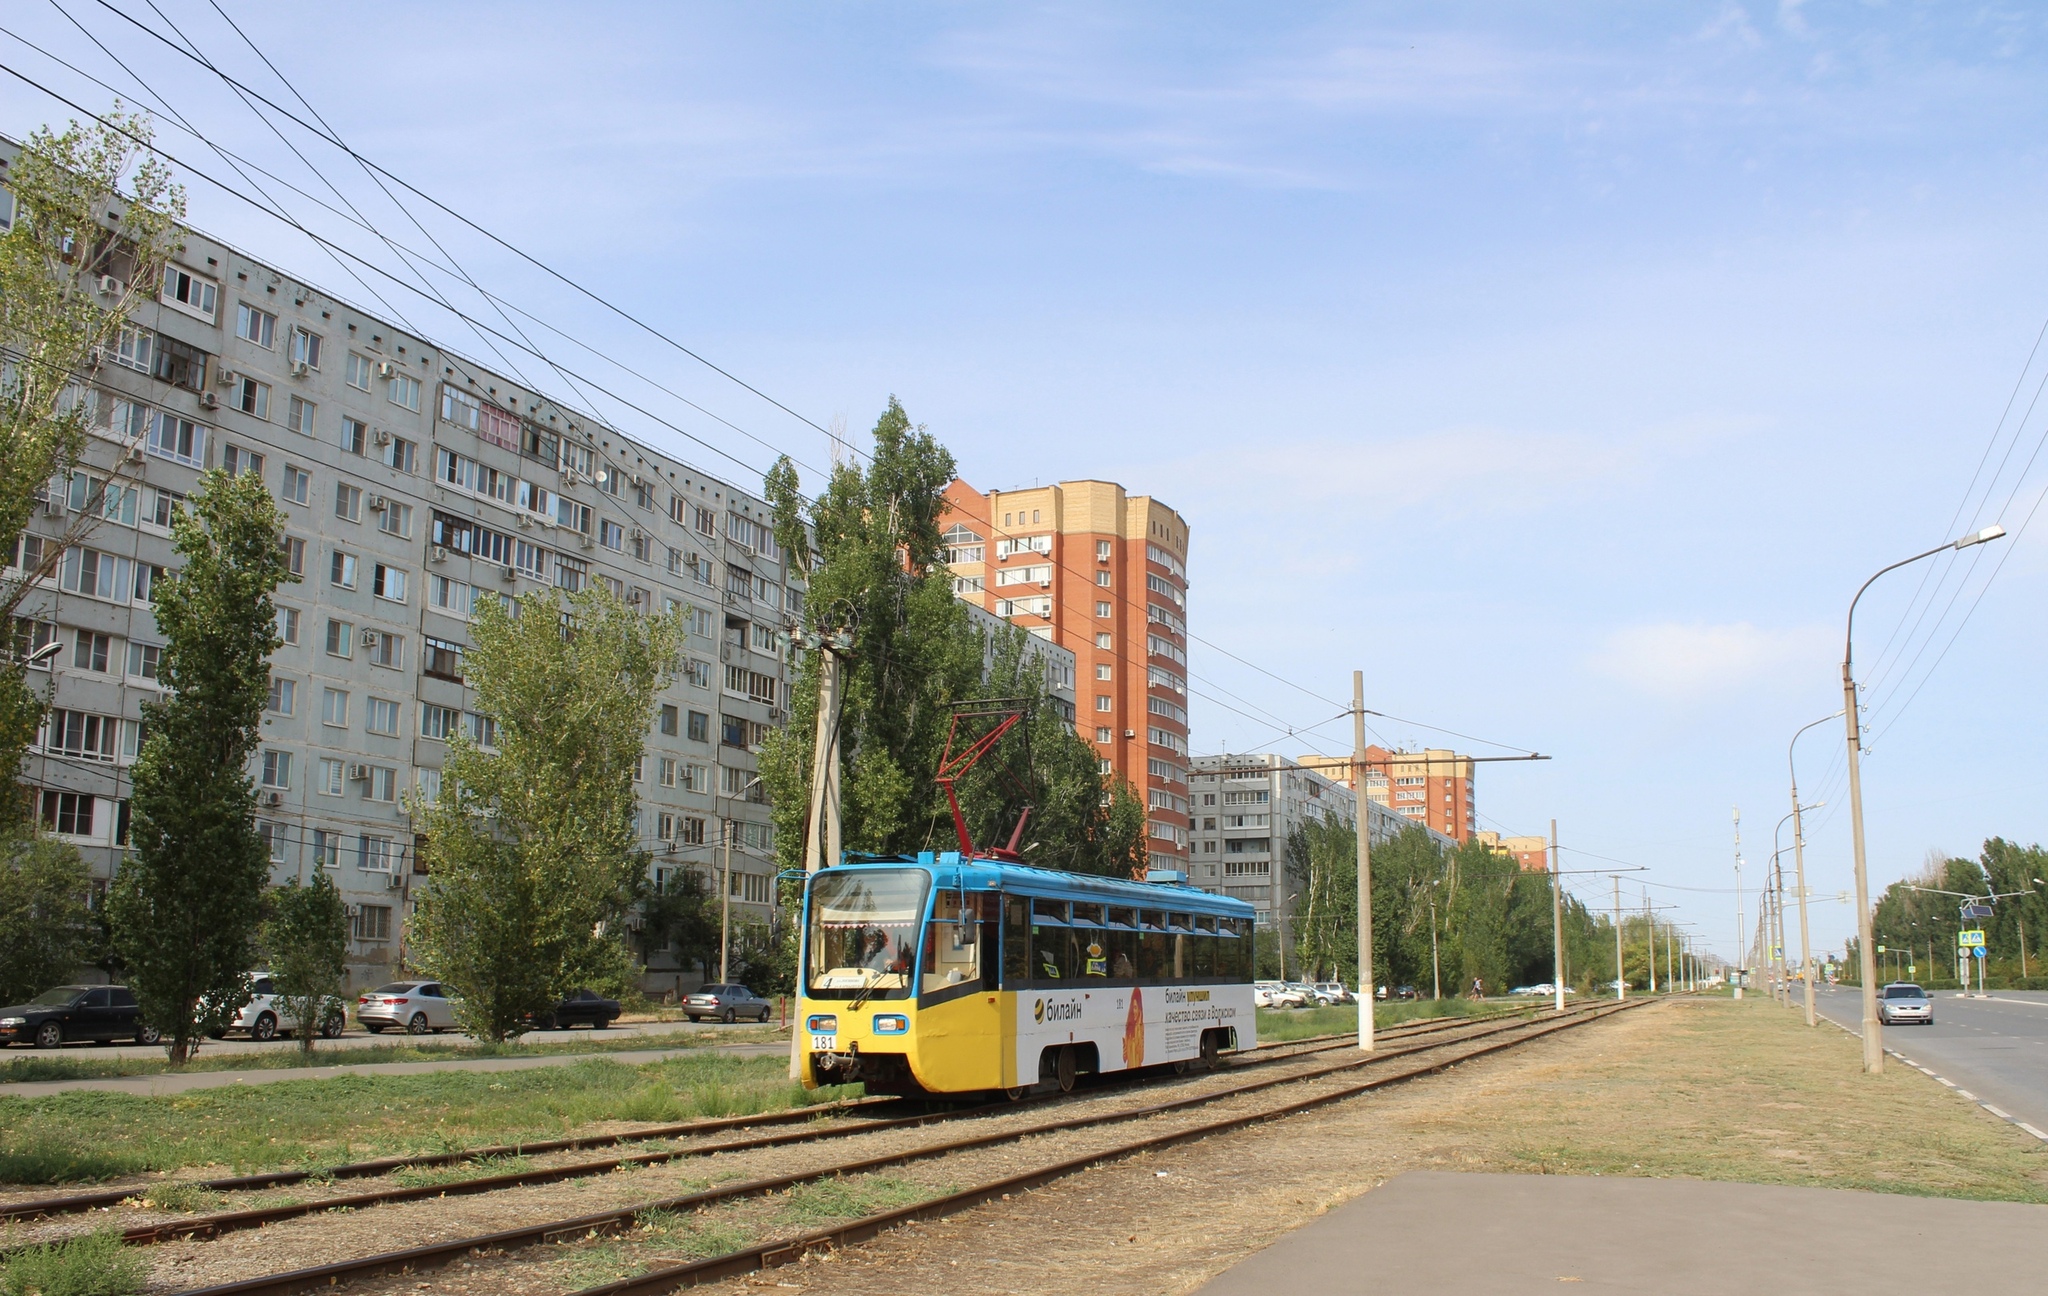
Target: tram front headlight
x=891 y=1024
x=822 y=1023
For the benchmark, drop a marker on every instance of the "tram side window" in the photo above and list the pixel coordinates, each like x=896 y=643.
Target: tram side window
x=1016 y=941
x=952 y=943
x=1203 y=943
x=1240 y=949
x=1123 y=944
x=1091 y=942
x=1180 y=926
x=1155 y=947
x=1052 y=952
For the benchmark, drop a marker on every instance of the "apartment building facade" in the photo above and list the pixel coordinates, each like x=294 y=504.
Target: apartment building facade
x=1245 y=807
x=1433 y=788
x=1103 y=574
x=417 y=484
x=1532 y=853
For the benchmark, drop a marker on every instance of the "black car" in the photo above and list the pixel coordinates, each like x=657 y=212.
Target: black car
x=726 y=1003
x=76 y=1012
x=581 y=1007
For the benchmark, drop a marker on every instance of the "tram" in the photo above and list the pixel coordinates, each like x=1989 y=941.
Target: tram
x=963 y=972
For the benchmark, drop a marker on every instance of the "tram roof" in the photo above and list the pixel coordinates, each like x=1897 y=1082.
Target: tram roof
x=1031 y=880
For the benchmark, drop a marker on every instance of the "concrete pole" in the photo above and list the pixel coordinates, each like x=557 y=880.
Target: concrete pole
x=1556 y=919
x=1650 y=920
x=725 y=900
x=1866 y=953
x=1620 y=976
x=1366 y=983
x=821 y=844
x=1799 y=877
x=1737 y=977
x=1436 y=973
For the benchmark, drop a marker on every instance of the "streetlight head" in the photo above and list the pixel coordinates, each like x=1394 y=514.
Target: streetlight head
x=43 y=654
x=1992 y=532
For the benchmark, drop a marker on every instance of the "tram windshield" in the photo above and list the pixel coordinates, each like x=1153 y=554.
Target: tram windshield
x=863 y=933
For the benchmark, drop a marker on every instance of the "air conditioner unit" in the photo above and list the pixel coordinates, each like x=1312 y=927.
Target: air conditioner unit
x=381 y=436
x=227 y=377
x=135 y=454
x=96 y=357
x=369 y=638
x=110 y=286
x=776 y=716
x=386 y=369
x=439 y=554
x=1130 y=733
x=208 y=401
x=358 y=773
x=510 y=573
x=273 y=798
x=395 y=881
x=53 y=507
x=378 y=503
x=585 y=541
x=638 y=534
x=525 y=521
x=300 y=369
x=1045 y=584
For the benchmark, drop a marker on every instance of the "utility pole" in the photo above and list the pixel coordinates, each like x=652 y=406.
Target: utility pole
x=1738 y=901
x=1436 y=973
x=1620 y=976
x=1650 y=920
x=822 y=841
x=1556 y=919
x=725 y=898
x=1366 y=983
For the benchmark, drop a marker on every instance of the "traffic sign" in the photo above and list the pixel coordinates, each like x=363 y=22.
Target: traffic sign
x=1911 y=970
x=1880 y=949
x=1970 y=940
x=1978 y=952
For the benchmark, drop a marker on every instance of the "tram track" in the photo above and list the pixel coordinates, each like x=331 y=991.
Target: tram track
x=76 y=1203
x=1491 y=1035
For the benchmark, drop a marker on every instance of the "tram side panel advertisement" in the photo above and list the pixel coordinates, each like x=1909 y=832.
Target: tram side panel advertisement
x=1130 y=1026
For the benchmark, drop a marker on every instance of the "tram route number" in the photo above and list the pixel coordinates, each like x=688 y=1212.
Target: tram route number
x=824 y=1043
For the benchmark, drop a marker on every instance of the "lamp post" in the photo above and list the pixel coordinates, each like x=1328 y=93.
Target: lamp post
x=1873 y=1032
x=725 y=882
x=1799 y=864
x=1436 y=975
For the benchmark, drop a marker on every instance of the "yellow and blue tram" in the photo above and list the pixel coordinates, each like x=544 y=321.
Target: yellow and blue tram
x=946 y=973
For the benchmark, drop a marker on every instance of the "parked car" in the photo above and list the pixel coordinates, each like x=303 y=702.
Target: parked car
x=417 y=1006
x=1407 y=992
x=75 y=1012
x=727 y=1003
x=1273 y=994
x=1902 y=1001
x=1333 y=992
x=267 y=1015
x=584 y=1007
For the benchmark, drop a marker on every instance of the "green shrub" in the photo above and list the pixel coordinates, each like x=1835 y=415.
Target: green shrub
x=93 y=1265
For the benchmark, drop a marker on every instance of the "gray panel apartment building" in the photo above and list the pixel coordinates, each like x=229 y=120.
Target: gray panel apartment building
x=1244 y=808
x=417 y=483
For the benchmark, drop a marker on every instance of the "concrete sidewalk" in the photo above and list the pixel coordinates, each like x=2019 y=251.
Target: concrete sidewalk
x=149 y=1085
x=1435 y=1232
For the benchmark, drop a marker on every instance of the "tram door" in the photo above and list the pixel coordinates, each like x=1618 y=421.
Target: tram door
x=959 y=1019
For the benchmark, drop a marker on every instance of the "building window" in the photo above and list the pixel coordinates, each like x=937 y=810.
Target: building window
x=381 y=716
x=1105 y=735
x=298 y=484
x=143 y=660
x=671 y=719
x=1105 y=702
x=388 y=583
x=340 y=639
x=305 y=348
x=284 y=696
x=1102 y=579
x=1102 y=670
x=255 y=325
x=235 y=460
x=388 y=650
x=348 y=502
x=287 y=625
x=668 y=772
x=334 y=707
x=90 y=651
x=190 y=293
x=355 y=435
x=371 y=923
x=277 y=769
x=611 y=535
x=439 y=721
x=341 y=569
x=1103 y=610
x=395 y=519
x=356 y=372
x=381 y=786
x=273 y=837
x=252 y=397
x=443 y=659
x=405 y=391
x=700 y=727
x=70 y=813
x=1102 y=551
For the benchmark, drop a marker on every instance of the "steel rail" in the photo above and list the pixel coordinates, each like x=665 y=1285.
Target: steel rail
x=74 y=1203
x=437 y=1253
x=784 y=1251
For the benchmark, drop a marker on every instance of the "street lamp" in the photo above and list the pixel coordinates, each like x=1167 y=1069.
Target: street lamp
x=1873 y=1032
x=1436 y=975
x=725 y=880
x=43 y=654
x=1799 y=864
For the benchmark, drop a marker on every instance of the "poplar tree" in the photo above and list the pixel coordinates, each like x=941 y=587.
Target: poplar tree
x=186 y=903
x=306 y=937
x=531 y=847
x=89 y=201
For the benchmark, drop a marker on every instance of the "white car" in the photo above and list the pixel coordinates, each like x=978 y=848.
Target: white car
x=413 y=1006
x=267 y=1016
x=1272 y=994
x=1333 y=992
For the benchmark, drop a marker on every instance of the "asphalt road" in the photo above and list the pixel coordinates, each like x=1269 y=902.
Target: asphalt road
x=1995 y=1050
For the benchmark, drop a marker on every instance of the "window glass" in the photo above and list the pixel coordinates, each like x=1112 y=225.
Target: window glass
x=863 y=932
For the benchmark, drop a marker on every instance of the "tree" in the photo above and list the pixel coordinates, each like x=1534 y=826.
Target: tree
x=186 y=904
x=871 y=551
x=680 y=920
x=53 y=317
x=306 y=936
x=532 y=847
x=46 y=931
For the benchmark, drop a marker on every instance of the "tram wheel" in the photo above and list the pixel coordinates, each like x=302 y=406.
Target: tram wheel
x=1181 y=1067
x=1064 y=1069
x=1211 y=1051
x=1017 y=1094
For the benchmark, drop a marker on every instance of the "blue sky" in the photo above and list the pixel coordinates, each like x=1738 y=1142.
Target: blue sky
x=1563 y=368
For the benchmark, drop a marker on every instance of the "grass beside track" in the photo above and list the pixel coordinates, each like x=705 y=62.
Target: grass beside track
x=1278 y=1025
x=80 y=1136
x=284 y=1056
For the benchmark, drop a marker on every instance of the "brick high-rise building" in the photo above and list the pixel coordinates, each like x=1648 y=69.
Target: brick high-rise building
x=1532 y=853
x=1102 y=573
x=1433 y=788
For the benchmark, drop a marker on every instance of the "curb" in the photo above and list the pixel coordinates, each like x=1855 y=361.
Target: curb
x=1944 y=1081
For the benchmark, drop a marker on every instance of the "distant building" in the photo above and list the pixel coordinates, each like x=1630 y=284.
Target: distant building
x=1532 y=853
x=1102 y=574
x=1057 y=662
x=1433 y=787
x=1245 y=808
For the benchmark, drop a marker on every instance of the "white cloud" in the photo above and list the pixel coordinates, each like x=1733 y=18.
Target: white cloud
x=1688 y=661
